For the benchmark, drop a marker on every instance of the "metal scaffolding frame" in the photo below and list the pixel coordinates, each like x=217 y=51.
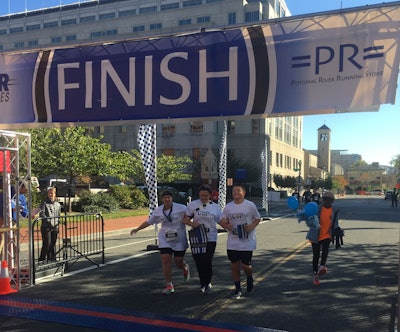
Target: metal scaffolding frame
x=15 y=170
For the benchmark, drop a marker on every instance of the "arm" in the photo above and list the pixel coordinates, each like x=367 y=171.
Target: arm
x=142 y=226
x=187 y=220
x=253 y=225
x=225 y=224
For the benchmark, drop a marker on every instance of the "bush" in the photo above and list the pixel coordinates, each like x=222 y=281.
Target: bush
x=129 y=197
x=93 y=203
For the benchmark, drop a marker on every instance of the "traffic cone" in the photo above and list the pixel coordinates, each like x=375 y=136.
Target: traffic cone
x=5 y=287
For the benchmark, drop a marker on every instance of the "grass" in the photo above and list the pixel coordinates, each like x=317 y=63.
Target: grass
x=126 y=213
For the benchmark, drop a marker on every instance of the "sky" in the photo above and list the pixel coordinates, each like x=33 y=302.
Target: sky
x=373 y=135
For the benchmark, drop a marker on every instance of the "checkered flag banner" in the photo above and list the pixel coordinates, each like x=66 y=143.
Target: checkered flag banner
x=222 y=168
x=147 y=139
x=264 y=175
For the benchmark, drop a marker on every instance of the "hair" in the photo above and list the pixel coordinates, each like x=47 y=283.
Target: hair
x=241 y=185
x=205 y=187
x=167 y=193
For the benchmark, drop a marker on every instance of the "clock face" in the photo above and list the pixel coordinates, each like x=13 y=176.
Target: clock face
x=324 y=137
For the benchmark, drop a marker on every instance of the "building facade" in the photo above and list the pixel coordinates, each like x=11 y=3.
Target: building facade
x=113 y=20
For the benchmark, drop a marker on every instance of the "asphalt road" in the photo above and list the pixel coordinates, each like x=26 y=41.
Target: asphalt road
x=359 y=292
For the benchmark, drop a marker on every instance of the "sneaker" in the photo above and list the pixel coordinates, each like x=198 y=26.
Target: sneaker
x=207 y=289
x=237 y=294
x=202 y=289
x=316 y=280
x=250 y=284
x=168 y=290
x=186 y=272
x=322 y=270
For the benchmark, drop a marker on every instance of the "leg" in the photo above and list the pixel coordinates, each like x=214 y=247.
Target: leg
x=235 y=271
x=316 y=254
x=325 y=250
x=52 y=247
x=207 y=259
x=197 y=261
x=166 y=261
x=45 y=243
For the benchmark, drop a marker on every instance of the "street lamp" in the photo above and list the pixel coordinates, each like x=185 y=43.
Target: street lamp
x=298 y=169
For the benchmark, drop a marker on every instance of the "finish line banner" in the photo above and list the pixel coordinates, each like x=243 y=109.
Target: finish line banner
x=327 y=63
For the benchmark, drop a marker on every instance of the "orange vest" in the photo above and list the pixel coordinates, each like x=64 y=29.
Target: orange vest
x=325 y=223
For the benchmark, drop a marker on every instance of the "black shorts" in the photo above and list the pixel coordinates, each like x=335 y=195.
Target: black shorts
x=170 y=251
x=243 y=256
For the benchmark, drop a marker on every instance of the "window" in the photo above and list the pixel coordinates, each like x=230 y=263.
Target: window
x=255 y=128
x=232 y=18
x=32 y=27
x=125 y=13
x=1 y=46
x=19 y=44
x=103 y=33
x=168 y=152
x=68 y=21
x=138 y=28
x=277 y=159
x=155 y=26
x=168 y=129
x=17 y=29
x=253 y=16
x=169 y=6
x=211 y=1
x=3 y=31
x=196 y=153
x=70 y=37
x=203 y=19
x=55 y=40
x=189 y=3
x=50 y=24
x=187 y=21
x=196 y=127
x=106 y=16
x=32 y=43
x=88 y=19
x=146 y=10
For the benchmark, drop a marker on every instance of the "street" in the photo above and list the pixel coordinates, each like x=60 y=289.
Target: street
x=359 y=292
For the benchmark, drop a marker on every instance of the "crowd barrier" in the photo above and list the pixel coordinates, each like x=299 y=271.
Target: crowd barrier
x=70 y=238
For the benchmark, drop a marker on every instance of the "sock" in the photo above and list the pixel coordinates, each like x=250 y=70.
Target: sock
x=237 y=285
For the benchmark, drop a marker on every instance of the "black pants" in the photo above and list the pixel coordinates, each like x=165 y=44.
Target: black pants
x=204 y=264
x=49 y=239
x=316 y=248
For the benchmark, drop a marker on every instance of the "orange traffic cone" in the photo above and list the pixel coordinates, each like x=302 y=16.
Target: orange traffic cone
x=5 y=287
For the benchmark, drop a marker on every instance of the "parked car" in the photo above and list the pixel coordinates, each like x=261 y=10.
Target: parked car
x=378 y=192
x=388 y=194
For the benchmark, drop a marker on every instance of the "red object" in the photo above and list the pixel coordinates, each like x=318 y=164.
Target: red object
x=5 y=286
x=8 y=166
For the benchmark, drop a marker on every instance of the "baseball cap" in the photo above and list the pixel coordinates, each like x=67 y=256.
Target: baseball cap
x=328 y=194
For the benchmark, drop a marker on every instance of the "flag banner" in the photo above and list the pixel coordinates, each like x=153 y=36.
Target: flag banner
x=336 y=62
x=222 y=168
x=148 y=151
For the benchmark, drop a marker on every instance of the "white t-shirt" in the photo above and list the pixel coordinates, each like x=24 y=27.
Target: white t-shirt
x=207 y=214
x=240 y=215
x=173 y=231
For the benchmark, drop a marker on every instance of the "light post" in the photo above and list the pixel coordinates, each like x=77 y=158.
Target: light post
x=298 y=169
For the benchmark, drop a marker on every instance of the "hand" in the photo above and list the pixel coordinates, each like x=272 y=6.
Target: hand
x=134 y=231
x=195 y=224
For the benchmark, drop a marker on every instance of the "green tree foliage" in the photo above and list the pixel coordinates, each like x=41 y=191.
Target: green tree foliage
x=129 y=197
x=94 y=203
x=395 y=162
x=285 y=181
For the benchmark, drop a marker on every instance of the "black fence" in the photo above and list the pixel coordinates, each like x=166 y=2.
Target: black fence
x=58 y=243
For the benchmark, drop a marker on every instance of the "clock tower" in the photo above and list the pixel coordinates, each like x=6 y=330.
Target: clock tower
x=324 y=148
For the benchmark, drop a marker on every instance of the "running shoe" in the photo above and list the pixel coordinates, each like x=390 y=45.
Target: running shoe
x=237 y=294
x=322 y=270
x=168 y=290
x=207 y=289
x=202 y=289
x=186 y=272
x=250 y=284
x=316 y=280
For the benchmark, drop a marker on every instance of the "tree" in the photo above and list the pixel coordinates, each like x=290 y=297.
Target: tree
x=395 y=162
x=339 y=182
x=72 y=153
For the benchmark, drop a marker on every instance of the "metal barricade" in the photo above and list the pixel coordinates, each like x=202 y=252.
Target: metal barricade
x=58 y=245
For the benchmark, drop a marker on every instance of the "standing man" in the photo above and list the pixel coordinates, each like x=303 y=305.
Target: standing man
x=172 y=240
x=50 y=211
x=395 y=194
x=316 y=197
x=203 y=215
x=240 y=217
